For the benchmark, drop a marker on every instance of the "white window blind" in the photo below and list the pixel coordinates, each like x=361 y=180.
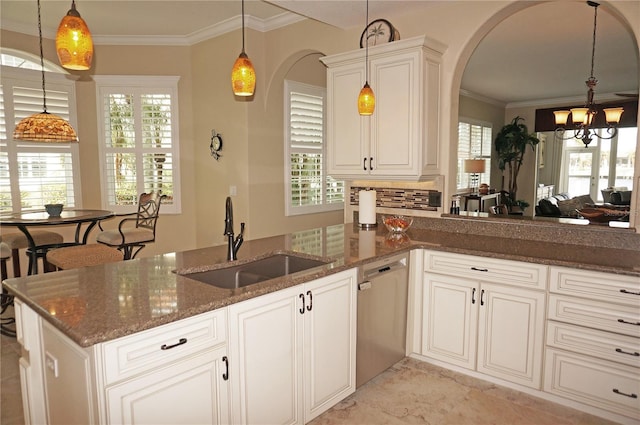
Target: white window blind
x=474 y=142
x=33 y=174
x=308 y=188
x=139 y=140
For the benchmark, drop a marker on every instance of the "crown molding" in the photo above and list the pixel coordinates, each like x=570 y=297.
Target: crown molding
x=481 y=98
x=231 y=24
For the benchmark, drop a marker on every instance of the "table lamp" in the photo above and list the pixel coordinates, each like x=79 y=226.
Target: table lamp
x=474 y=167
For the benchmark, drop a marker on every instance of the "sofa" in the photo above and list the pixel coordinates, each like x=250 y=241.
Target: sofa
x=562 y=205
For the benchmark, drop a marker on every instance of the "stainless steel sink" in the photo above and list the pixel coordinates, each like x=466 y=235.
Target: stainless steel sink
x=246 y=274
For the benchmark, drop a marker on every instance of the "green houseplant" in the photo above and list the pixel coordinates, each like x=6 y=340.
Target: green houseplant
x=511 y=145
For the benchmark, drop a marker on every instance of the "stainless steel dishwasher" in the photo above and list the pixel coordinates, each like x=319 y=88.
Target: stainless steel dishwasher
x=382 y=316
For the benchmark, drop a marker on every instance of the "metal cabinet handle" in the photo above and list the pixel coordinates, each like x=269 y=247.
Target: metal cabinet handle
x=624 y=291
x=364 y=163
x=628 y=323
x=482 y=297
x=473 y=296
x=479 y=270
x=634 y=353
x=371 y=163
x=617 y=391
x=169 y=347
x=302 y=309
x=225 y=375
x=310 y=306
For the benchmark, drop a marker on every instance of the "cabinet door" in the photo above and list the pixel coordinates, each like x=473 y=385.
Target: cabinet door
x=191 y=391
x=450 y=315
x=510 y=334
x=347 y=131
x=329 y=341
x=395 y=126
x=266 y=358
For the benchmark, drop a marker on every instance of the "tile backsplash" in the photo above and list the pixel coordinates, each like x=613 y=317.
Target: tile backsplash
x=404 y=198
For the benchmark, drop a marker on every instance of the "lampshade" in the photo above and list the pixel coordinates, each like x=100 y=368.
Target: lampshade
x=561 y=117
x=366 y=100
x=579 y=115
x=45 y=127
x=474 y=165
x=612 y=115
x=243 y=76
x=74 y=44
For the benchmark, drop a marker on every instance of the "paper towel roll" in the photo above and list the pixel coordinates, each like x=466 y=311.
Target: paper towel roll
x=366 y=243
x=367 y=204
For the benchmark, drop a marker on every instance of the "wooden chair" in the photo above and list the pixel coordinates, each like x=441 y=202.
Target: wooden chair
x=136 y=230
x=74 y=257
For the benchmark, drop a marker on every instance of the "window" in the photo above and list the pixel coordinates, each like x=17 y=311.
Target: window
x=308 y=188
x=33 y=174
x=138 y=140
x=474 y=142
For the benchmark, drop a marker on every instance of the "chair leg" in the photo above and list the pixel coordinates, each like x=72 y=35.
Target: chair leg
x=15 y=259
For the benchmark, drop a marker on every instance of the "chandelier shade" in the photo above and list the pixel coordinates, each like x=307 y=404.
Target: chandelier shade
x=366 y=98
x=44 y=127
x=582 y=119
x=243 y=75
x=74 y=44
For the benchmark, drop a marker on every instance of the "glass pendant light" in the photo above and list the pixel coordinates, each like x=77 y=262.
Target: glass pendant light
x=74 y=44
x=44 y=127
x=366 y=98
x=243 y=76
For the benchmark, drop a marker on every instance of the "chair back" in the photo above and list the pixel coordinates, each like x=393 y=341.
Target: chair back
x=149 y=210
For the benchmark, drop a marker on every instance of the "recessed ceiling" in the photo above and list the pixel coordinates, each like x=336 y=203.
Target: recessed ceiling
x=542 y=52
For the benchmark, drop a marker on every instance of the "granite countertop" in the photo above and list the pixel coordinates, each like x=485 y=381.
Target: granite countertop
x=101 y=303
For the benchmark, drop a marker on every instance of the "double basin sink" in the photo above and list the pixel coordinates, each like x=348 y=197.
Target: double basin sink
x=252 y=272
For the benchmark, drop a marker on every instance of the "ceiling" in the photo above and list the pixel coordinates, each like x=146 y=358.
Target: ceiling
x=542 y=52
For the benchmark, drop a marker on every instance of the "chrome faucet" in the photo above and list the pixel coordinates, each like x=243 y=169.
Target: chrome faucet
x=233 y=244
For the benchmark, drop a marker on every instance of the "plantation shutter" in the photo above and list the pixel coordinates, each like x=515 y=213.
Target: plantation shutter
x=474 y=141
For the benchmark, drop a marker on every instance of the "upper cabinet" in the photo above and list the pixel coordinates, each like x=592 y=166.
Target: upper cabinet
x=400 y=140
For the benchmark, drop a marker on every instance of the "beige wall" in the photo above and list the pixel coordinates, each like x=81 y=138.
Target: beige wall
x=252 y=130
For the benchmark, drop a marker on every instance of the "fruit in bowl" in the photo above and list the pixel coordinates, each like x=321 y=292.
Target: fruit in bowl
x=397 y=223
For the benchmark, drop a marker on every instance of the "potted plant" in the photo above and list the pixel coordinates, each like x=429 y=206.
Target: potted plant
x=511 y=145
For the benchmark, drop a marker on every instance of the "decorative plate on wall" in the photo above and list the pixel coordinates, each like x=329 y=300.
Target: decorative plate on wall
x=378 y=32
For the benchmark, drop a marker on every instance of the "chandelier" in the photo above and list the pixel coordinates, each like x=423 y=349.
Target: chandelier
x=583 y=118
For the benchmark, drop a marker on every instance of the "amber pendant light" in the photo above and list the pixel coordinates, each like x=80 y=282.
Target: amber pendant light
x=243 y=76
x=366 y=98
x=74 y=44
x=44 y=127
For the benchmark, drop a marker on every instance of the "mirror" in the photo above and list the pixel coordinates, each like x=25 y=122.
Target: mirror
x=539 y=58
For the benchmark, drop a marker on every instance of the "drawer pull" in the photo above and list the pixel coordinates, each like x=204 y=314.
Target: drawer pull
x=635 y=353
x=479 y=270
x=624 y=291
x=628 y=323
x=617 y=391
x=169 y=347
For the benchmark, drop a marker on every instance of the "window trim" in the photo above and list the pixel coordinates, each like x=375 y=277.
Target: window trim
x=166 y=84
x=290 y=210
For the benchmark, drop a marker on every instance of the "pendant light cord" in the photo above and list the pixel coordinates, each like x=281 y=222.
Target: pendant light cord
x=366 y=50
x=593 y=47
x=44 y=92
x=242 y=26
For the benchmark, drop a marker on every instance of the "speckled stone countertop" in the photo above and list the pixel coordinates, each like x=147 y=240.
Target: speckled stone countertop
x=101 y=303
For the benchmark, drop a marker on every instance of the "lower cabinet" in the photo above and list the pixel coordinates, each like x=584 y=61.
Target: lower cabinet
x=294 y=356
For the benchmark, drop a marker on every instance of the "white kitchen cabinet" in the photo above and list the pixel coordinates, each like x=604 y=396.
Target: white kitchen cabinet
x=294 y=356
x=400 y=139
x=494 y=328
x=593 y=339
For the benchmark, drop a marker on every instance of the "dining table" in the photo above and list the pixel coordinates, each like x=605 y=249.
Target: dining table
x=87 y=218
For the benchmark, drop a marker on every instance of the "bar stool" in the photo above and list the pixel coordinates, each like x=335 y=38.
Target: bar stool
x=17 y=241
x=6 y=323
x=77 y=256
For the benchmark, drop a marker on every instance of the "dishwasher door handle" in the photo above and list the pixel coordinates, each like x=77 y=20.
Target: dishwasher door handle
x=363 y=286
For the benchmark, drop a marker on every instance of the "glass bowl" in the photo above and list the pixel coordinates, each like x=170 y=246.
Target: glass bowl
x=397 y=223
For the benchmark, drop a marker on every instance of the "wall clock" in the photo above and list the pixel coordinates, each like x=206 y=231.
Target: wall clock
x=378 y=32
x=216 y=145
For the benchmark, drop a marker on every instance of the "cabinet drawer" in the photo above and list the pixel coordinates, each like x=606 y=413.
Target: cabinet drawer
x=593 y=314
x=595 y=382
x=143 y=351
x=516 y=273
x=604 y=345
x=599 y=286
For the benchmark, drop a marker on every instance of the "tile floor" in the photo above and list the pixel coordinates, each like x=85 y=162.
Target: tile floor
x=411 y=392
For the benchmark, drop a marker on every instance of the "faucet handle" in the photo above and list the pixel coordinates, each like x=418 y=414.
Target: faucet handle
x=242 y=228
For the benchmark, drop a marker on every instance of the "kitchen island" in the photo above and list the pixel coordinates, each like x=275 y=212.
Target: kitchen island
x=103 y=305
